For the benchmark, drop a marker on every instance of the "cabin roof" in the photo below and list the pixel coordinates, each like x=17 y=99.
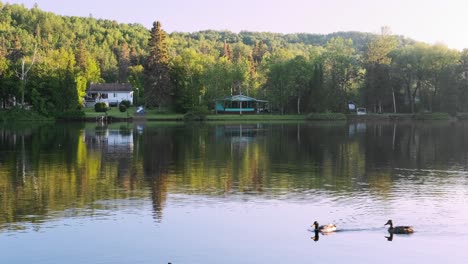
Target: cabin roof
x=240 y=98
x=110 y=87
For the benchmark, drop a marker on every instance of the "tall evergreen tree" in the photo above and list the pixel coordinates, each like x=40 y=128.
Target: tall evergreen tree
x=158 y=88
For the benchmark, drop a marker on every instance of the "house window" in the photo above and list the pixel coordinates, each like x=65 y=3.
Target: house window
x=115 y=95
x=104 y=96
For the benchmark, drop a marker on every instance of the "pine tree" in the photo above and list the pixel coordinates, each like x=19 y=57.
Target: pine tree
x=158 y=88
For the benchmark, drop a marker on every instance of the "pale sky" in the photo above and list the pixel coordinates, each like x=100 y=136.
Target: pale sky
x=431 y=21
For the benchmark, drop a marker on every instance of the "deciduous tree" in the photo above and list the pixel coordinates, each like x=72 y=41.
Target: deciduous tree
x=378 y=84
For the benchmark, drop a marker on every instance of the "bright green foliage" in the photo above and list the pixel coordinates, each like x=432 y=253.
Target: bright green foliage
x=279 y=81
x=419 y=68
x=378 y=88
x=187 y=71
x=57 y=81
x=437 y=59
x=136 y=79
x=54 y=76
x=224 y=78
x=293 y=82
x=6 y=73
x=342 y=72
x=89 y=73
x=242 y=77
x=378 y=50
x=297 y=73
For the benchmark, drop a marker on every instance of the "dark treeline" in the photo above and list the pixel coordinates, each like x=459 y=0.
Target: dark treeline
x=47 y=61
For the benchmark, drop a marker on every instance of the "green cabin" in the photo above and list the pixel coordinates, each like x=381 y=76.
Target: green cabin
x=240 y=104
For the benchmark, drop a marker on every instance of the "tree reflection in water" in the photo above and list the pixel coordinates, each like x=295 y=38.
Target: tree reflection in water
x=50 y=168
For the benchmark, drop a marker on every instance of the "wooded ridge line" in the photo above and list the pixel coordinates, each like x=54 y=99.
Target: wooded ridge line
x=180 y=72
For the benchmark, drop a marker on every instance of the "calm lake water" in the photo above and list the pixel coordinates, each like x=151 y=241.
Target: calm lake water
x=233 y=193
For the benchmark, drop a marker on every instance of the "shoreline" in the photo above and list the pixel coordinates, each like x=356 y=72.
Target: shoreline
x=319 y=117
x=154 y=117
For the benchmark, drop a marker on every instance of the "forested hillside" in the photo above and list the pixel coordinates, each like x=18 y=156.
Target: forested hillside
x=48 y=61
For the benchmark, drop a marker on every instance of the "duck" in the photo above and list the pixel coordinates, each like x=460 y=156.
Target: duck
x=399 y=229
x=324 y=228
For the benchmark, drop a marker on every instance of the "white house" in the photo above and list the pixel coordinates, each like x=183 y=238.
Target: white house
x=111 y=93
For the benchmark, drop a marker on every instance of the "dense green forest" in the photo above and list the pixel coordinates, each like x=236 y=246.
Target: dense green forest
x=47 y=61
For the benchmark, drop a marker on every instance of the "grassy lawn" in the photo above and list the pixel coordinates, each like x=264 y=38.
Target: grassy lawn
x=150 y=114
x=260 y=117
x=114 y=112
x=154 y=115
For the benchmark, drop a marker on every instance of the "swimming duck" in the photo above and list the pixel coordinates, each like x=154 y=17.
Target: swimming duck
x=399 y=229
x=324 y=228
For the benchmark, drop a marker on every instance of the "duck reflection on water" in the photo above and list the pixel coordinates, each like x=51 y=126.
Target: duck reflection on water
x=390 y=237
x=316 y=236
